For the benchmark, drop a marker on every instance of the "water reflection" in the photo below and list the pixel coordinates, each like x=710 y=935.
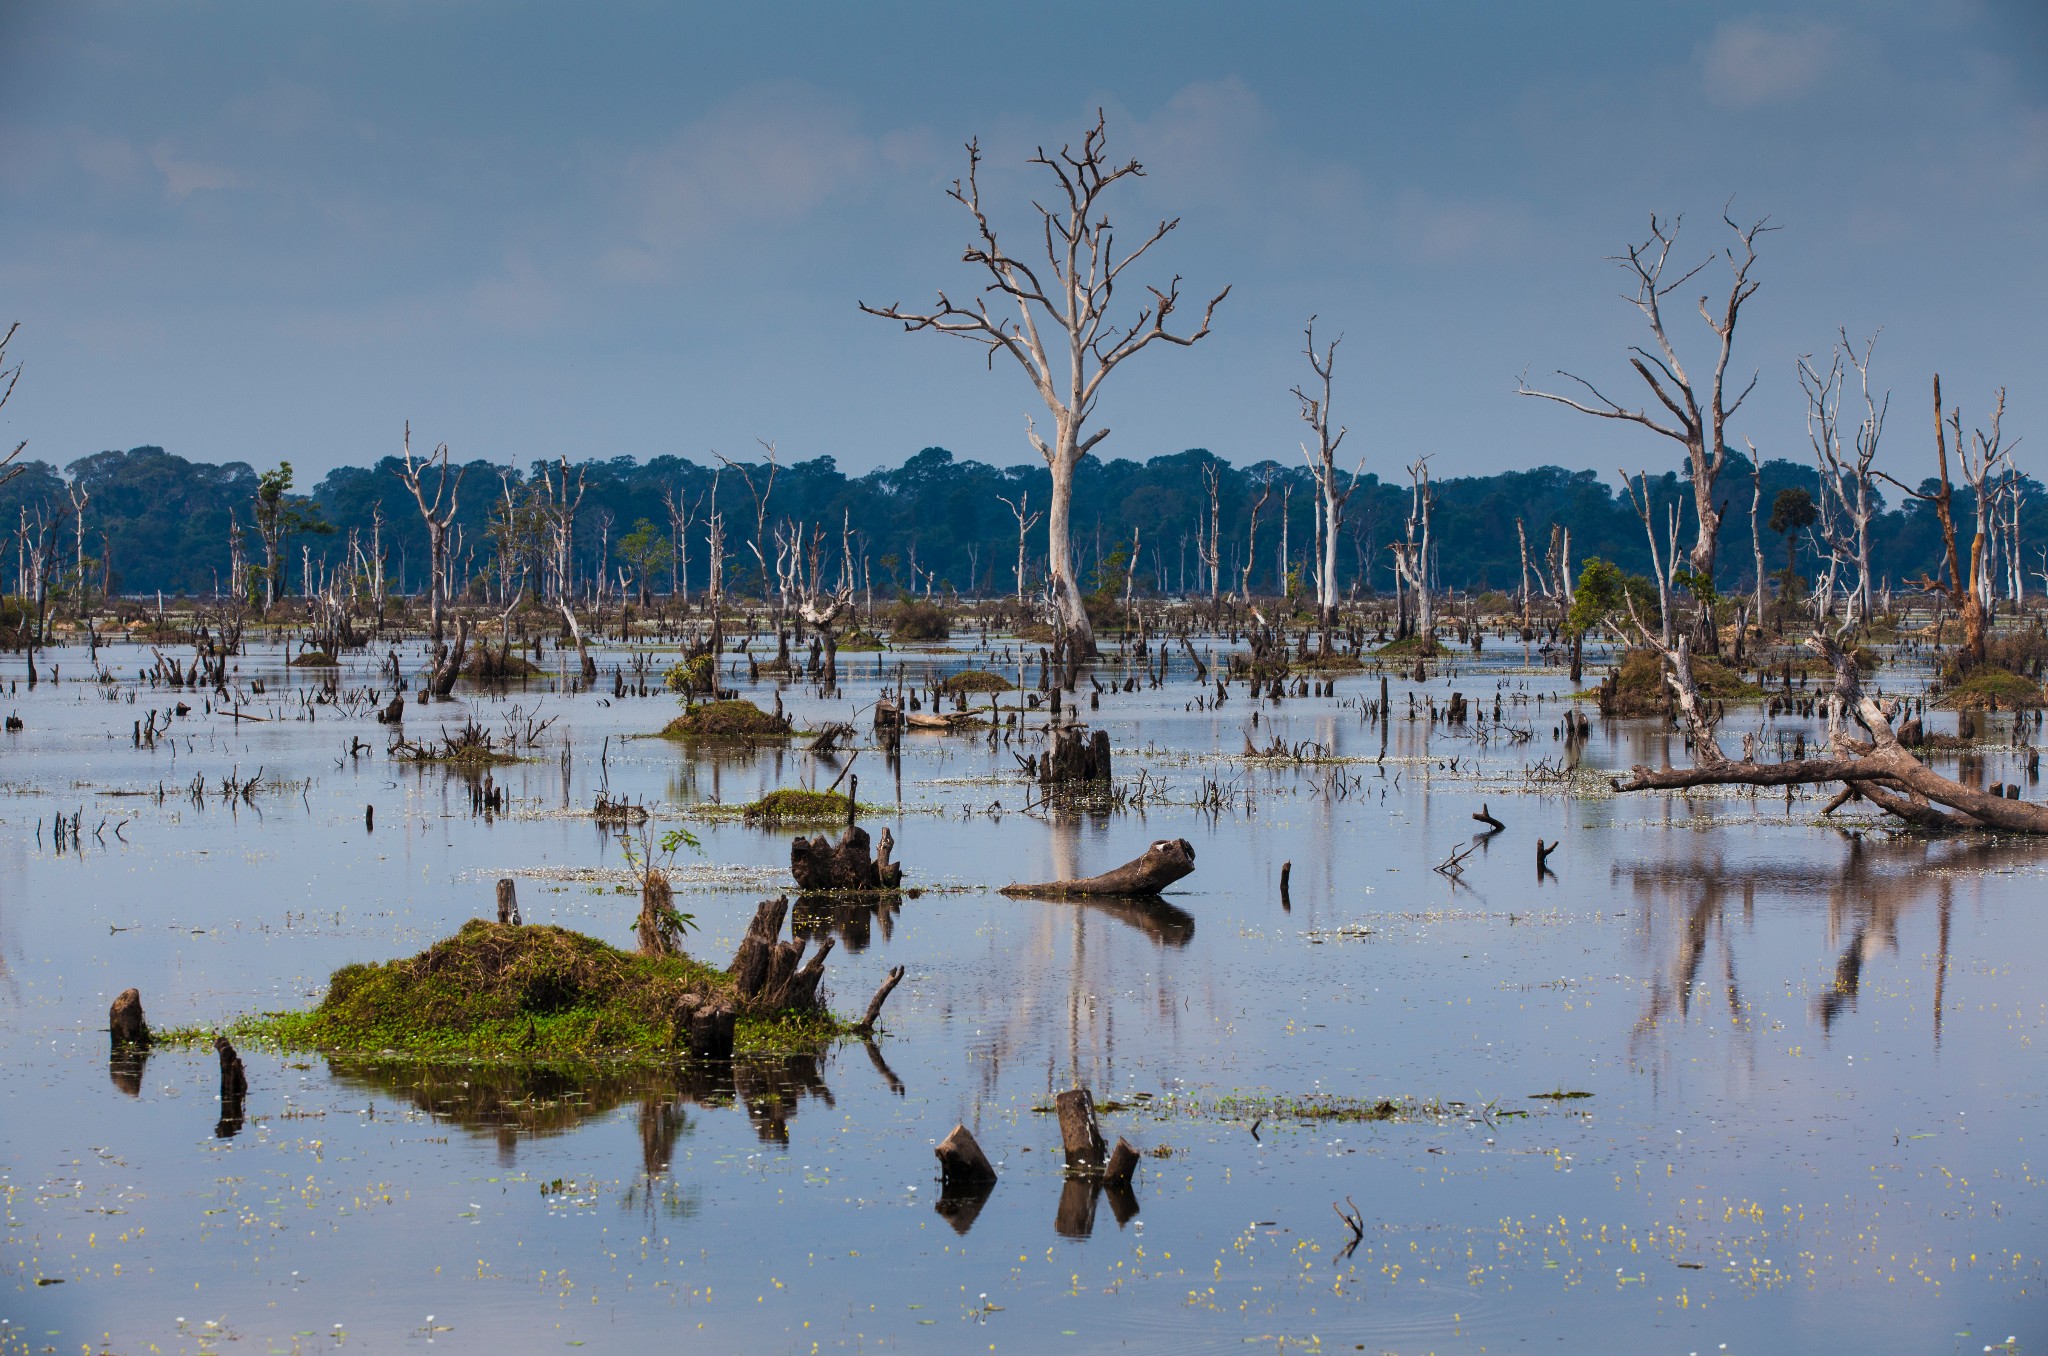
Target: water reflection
x=850 y=918
x=125 y=1065
x=507 y=1102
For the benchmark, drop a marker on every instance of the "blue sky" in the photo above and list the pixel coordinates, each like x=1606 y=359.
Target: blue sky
x=263 y=231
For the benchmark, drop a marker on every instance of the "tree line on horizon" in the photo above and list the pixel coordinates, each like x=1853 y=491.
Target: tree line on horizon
x=935 y=524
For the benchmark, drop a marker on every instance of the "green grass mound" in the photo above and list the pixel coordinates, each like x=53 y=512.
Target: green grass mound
x=498 y=991
x=1330 y=663
x=1425 y=647
x=736 y=721
x=1993 y=689
x=1637 y=687
x=977 y=680
x=487 y=665
x=315 y=659
x=793 y=805
x=861 y=642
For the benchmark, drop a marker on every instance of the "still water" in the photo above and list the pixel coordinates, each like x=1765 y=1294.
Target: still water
x=1812 y=1047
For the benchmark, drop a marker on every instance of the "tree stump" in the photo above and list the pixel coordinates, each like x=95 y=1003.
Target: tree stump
x=1076 y=756
x=394 y=712
x=1079 y=1132
x=1165 y=862
x=234 y=1087
x=1123 y=1162
x=962 y=1164
x=125 y=1021
x=508 y=901
x=846 y=865
x=771 y=975
x=705 y=1027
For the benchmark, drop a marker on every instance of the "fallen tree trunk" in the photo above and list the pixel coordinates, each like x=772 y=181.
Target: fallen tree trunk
x=1165 y=862
x=1880 y=770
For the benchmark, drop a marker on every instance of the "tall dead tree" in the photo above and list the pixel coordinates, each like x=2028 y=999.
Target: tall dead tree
x=1026 y=520
x=1251 y=537
x=682 y=511
x=564 y=497
x=1322 y=465
x=1062 y=335
x=437 y=513
x=1698 y=421
x=1980 y=460
x=1845 y=477
x=1211 y=554
x=1411 y=557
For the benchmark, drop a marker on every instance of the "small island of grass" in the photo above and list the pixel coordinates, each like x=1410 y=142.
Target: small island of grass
x=731 y=722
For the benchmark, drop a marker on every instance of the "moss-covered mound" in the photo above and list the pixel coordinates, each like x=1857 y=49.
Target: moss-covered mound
x=858 y=641
x=1637 y=686
x=495 y=990
x=491 y=666
x=735 y=721
x=793 y=805
x=1422 y=646
x=1330 y=663
x=1992 y=689
x=315 y=659
x=977 y=680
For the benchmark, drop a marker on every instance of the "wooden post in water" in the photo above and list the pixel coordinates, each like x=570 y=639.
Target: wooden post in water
x=508 y=901
x=1079 y=1131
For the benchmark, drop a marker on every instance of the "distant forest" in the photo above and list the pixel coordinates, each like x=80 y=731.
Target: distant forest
x=155 y=521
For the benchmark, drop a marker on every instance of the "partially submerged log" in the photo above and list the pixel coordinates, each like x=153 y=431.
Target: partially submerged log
x=866 y=1025
x=1879 y=769
x=1165 y=862
x=845 y=865
x=125 y=1022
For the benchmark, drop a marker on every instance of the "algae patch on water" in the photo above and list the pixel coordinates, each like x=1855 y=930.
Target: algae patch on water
x=496 y=990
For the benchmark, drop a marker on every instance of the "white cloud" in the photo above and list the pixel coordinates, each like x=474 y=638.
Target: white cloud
x=1751 y=62
x=1436 y=230
x=769 y=156
x=184 y=177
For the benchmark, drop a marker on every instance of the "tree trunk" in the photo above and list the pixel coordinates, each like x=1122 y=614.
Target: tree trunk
x=1059 y=549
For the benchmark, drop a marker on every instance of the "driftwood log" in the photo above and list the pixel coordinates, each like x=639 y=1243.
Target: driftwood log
x=1878 y=769
x=1165 y=862
x=771 y=975
x=125 y=1022
x=845 y=865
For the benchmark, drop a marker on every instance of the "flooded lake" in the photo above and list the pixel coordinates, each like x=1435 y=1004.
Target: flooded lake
x=1731 y=1077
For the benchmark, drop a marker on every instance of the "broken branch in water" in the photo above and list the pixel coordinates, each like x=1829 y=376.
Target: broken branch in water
x=866 y=1025
x=1485 y=816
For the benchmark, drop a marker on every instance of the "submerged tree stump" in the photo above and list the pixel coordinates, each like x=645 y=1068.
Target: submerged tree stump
x=962 y=1164
x=845 y=865
x=125 y=1021
x=1076 y=756
x=508 y=901
x=234 y=1080
x=1079 y=1132
x=1123 y=1162
x=394 y=713
x=705 y=1027
x=771 y=975
x=1165 y=862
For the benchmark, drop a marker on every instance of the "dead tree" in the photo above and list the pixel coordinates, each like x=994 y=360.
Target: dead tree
x=1845 y=478
x=1322 y=465
x=563 y=499
x=682 y=511
x=436 y=514
x=1211 y=555
x=1878 y=769
x=1411 y=557
x=1979 y=461
x=1697 y=424
x=1251 y=538
x=1026 y=520
x=1639 y=500
x=845 y=866
x=9 y=468
x=1062 y=336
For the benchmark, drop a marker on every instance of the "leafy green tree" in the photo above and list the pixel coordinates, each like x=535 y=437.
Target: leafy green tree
x=279 y=513
x=647 y=550
x=1792 y=512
